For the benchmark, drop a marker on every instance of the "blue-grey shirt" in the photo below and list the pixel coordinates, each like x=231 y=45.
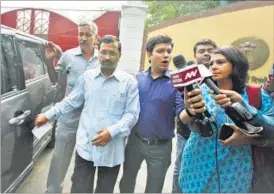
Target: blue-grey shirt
x=160 y=103
x=111 y=103
x=74 y=64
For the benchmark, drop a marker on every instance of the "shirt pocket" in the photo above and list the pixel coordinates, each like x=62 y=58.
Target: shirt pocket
x=118 y=103
x=74 y=72
x=72 y=76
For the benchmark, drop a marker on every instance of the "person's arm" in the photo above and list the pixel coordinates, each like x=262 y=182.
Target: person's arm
x=241 y=138
x=260 y=117
x=263 y=117
x=131 y=112
x=267 y=122
x=62 y=63
x=180 y=106
x=74 y=100
x=52 y=53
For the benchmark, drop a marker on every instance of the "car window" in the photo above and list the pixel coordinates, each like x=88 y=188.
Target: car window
x=9 y=77
x=33 y=63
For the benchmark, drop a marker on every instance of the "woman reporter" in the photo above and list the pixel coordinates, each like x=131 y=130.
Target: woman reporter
x=210 y=165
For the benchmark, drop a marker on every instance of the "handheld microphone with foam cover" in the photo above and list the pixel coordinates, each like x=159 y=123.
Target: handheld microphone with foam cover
x=203 y=119
x=188 y=75
x=179 y=61
x=190 y=62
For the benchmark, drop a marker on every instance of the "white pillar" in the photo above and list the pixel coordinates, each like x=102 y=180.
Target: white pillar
x=131 y=35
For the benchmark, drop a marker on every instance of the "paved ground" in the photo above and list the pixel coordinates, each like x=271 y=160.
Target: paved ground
x=36 y=181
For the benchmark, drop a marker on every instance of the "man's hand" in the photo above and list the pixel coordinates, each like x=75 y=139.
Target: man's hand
x=194 y=101
x=40 y=119
x=102 y=138
x=50 y=51
x=239 y=137
x=227 y=97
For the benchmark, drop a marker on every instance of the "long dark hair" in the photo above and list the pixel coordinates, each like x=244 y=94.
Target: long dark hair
x=239 y=66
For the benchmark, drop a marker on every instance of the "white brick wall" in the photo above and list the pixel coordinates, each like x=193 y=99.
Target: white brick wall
x=131 y=35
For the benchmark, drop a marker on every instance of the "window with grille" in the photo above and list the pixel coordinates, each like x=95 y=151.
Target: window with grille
x=41 y=22
x=23 y=20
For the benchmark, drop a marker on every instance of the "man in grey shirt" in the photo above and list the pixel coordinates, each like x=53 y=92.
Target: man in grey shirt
x=73 y=64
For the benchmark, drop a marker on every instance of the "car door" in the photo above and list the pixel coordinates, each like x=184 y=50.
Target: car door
x=42 y=90
x=16 y=119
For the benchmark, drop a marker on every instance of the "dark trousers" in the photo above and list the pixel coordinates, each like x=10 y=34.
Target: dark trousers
x=83 y=177
x=158 y=159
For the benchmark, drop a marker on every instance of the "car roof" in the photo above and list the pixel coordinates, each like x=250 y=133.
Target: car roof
x=11 y=31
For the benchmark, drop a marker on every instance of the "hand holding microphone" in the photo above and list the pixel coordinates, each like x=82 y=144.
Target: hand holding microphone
x=227 y=97
x=194 y=101
x=192 y=74
x=185 y=79
x=192 y=94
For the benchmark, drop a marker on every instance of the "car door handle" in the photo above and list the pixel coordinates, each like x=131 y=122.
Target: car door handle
x=54 y=86
x=20 y=119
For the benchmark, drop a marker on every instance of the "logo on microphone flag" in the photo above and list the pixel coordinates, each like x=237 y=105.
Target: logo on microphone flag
x=186 y=76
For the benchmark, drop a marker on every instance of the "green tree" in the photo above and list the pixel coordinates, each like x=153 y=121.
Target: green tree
x=160 y=11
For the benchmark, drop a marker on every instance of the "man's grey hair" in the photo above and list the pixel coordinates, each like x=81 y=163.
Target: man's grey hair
x=92 y=24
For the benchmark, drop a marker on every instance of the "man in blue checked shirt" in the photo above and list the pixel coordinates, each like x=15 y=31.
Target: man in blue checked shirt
x=73 y=63
x=111 y=108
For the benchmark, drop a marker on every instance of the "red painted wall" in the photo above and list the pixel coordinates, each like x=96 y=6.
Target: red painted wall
x=108 y=23
x=63 y=32
x=9 y=19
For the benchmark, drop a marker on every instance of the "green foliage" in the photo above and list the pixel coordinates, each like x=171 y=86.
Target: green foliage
x=160 y=11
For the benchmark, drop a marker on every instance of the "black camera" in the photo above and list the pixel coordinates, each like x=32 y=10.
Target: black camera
x=204 y=126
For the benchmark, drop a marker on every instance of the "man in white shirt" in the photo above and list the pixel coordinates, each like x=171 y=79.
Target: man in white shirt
x=111 y=108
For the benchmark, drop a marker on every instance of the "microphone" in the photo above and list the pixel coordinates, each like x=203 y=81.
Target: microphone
x=202 y=120
x=192 y=74
x=200 y=74
x=179 y=62
x=190 y=62
x=186 y=76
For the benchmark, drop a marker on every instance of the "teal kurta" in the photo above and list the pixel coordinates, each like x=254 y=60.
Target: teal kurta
x=235 y=166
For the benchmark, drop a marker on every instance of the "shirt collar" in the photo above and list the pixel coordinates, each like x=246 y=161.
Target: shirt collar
x=165 y=74
x=118 y=74
x=78 y=51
